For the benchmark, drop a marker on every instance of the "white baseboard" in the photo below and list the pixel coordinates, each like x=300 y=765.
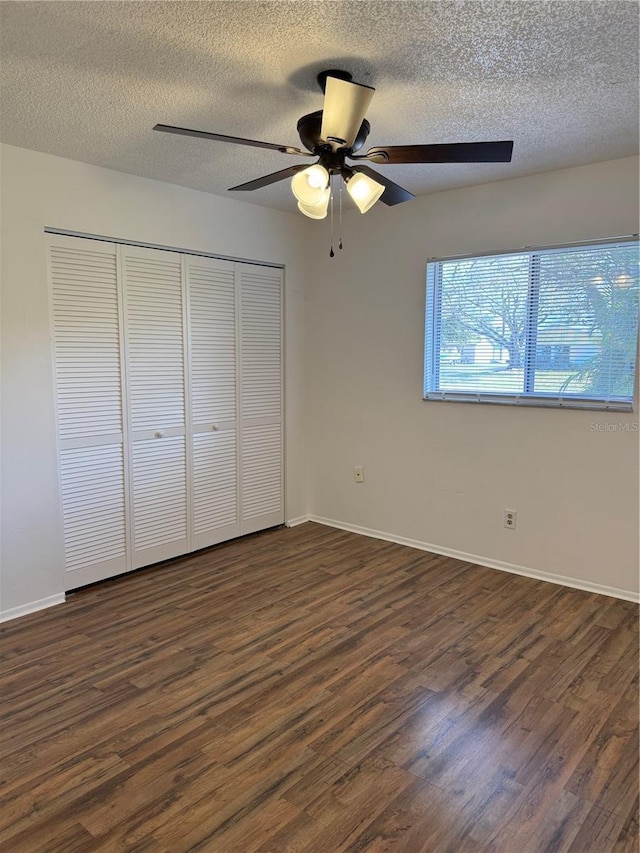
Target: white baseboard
x=31 y=607
x=294 y=522
x=561 y=580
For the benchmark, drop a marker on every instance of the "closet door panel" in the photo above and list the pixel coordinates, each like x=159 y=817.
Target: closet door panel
x=86 y=338
x=212 y=325
x=159 y=501
x=211 y=293
x=261 y=397
x=261 y=354
x=261 y=471
x=154 y=334
x=88 y=377
x=155 y=339
x=215 y=487
x=93 y=509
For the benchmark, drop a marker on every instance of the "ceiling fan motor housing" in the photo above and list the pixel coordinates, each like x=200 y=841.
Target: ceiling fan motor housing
x=309 y=132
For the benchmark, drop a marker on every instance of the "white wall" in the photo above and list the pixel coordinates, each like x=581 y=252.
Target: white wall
x=39 y=190
x=442 y=473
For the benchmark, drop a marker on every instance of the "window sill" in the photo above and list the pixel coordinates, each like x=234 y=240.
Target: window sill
x=523 y=400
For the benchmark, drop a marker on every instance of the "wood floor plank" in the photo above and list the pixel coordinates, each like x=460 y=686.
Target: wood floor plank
x=316 y=691
x=602 y=830
x=68 y=837
x=40 y=798
x=343 y=811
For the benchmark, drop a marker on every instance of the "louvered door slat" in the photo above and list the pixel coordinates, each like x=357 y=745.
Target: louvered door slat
x=261 y=398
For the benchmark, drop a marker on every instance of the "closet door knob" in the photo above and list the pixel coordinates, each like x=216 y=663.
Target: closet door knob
x=158 y=434
x=215 y=427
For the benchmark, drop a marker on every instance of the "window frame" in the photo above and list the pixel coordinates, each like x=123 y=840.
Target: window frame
x=528 y=397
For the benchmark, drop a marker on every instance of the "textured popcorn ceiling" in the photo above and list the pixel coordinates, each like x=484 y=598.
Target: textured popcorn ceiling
x=88 y=80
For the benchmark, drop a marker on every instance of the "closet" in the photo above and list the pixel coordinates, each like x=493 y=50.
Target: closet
x=168 y=376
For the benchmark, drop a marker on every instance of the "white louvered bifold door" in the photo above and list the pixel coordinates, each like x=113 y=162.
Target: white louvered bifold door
x=87 y=350
x=154 y=335
x=169 y=402
x=211 y=298
x=261 y=467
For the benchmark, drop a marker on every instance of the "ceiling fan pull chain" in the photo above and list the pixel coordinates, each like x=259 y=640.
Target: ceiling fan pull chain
x=331 y=252
x=340 y=216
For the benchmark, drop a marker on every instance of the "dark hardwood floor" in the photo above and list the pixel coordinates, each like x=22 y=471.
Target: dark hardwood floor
x=314 y=690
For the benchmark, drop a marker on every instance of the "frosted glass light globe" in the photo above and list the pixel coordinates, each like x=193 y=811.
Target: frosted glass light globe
x=316 y=211
x=310 y=185
x=364 y=191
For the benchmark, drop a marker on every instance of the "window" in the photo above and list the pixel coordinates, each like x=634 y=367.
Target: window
x=555 y=327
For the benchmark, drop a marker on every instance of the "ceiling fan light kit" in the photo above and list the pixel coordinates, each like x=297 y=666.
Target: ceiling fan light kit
x=336 y=133
x=363 y=190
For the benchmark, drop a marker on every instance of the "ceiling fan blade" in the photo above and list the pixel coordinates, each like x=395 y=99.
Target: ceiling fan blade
x=345 y=106
x=454 y=152
x=273 y=178
x=238 y=140
x=393 y=193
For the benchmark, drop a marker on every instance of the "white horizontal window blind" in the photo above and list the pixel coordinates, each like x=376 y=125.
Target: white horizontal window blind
x=555 y=327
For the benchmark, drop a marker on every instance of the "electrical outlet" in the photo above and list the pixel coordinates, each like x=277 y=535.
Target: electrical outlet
x=358 y=474
x=510 y=518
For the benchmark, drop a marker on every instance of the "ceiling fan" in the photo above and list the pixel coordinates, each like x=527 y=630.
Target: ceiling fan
x=333 y=135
